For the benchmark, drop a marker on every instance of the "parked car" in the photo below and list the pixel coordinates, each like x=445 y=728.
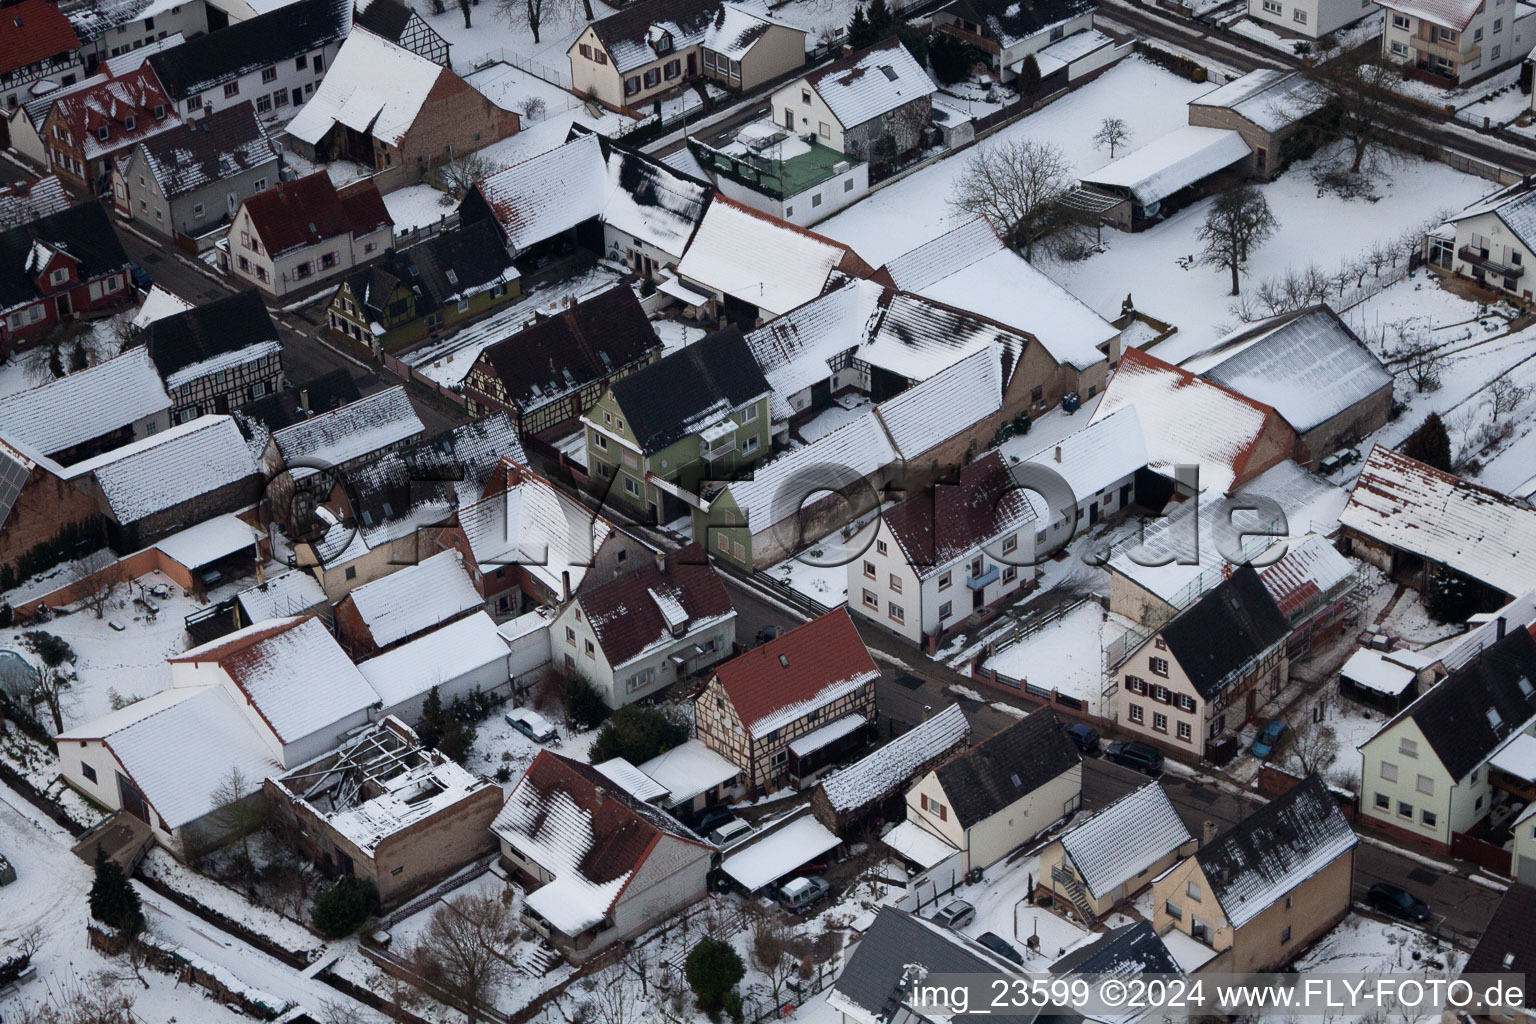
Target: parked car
x=532 y=724
x=1134 y=754
x=1001 y=946
x=1395 y=901
x=730 y=832
x=1085 y=738
x=801 y=893
x=768 y=633
x=140 y=276
x=956 y=914
x=712 y=819
x=1265 y=742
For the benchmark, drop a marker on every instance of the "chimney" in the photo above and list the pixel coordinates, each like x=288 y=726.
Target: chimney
x=1207 y=833
x=1499 y=629
x=304 y=400
x=261 y=573
x=565 y=584
x=599 y=794
x=1058 y=453
x=661 y=559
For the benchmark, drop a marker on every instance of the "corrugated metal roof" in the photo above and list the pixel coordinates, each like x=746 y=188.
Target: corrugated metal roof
x=1125 y=839
x=85 y=405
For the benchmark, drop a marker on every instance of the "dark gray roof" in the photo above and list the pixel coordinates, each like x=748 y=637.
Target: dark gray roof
x=83 y=232
x=202 y=332
x=677 y=395
x=1275 y=849
x=1220 y=633
x=474 y=253
x=873 y=978
x=1010 y=20
x=1007 y=767
x=1511 y=934
x=1130 y=950
x=1476 y=708
x=228 y=53
x=223 y=144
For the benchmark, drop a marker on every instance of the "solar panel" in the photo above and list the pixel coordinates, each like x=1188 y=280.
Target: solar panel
x=13 y=476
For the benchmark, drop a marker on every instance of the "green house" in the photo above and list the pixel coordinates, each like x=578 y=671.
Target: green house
x=698 y=414
x=431 y=287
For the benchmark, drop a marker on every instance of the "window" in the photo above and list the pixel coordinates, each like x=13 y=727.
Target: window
x=750 y=445
x=896 y=612
x=259 y=185
x=1425 y=785
x=805 y=95
x=59 y=276
x=632 y=487
x=944 y=581
x=1136 y=684
x=1186 y=703
x=673 y=69
x=1159 y=722
x=1285 y=936
x=1037 y=393
x=1192 y=890
x=231 y=89
x=946 y=609
x=318 y=62
x=1498 y=26
x=1160 y=643
x=631 y=85
x=1299 y=16
x=128 y=124
x=1404 y=810
x=194 y=103
x=103 y=132
x=1383 y=802
x=301 y=62
x=1159 y=666
x=871 y=599
x=1273 y=7
x=589 y=648
x=263 y=103
x=1135 y=712
x=1173 y=910
x=197 y=211
x=328 y=260
x=1428 y=818
x=816 y=200
x=1495 y=54
x=882 y=547
x=599 y=441
x=895 y=583
x=848 y=185
x=824 y=129
x=1477 y=35
x=269 y=74
x=1058 y=32
x=1010 y=573
x=351 y=572
x=652 y=77
x=1011 y=544
x=570 y=636
x=1399 y=50
x=869 y=569
x=1400 y=21
x=1408 y=748
x=934 y=807
x=749 y=414
x=586 y=51
x=1185 y=732
x=1162 y=695
x=88 y=771
x=1389 y=771
x=600 y=56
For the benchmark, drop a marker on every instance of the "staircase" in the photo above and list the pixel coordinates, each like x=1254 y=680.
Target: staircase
x=536 y=959
x=1067 y=883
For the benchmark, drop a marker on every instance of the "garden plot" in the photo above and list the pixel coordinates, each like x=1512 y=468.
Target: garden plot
x=916 y=209
x=1361 y=945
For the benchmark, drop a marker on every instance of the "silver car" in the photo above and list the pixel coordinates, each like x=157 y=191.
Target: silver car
x=956 y=914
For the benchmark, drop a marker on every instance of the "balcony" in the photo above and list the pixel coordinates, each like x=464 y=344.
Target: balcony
x=1478 y=258
x=718 y=440
x=977 y=582
x=1455 y=54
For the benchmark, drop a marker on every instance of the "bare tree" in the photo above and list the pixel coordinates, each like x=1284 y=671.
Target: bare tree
x=51 y=684
x=1415 y=353
x=458 y=175
x=1113 y=132
x=1312 y=747
x=100 y=575
x=529 y=14
x=1506 y=396
x=1016 y=187
x=238 y=811
x=335 y=1012
x=463 y=949
x=464 y=9
x=1239 y=222
x=1363 y=108
x=532 y=108
x=776 y=951
x=97 y=999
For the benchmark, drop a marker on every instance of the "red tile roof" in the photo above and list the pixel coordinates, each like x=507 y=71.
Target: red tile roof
x=800 y=671
x=31 y=31
x=110 y=104
x=947 y=522
x=309 y=210
x=627 y=612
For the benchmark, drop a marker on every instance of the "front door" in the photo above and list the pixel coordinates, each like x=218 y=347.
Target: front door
x=1125 y=494
x=789 y=118
x=131 y=799
x=1200 y=930
x=1093 y=513
x=692 y=66
x=978 y=598
x=66 y=310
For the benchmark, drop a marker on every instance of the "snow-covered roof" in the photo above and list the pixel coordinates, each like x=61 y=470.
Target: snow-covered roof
x=118 y=66
x=372 y=87
x=532 y=524
x=1275 y=849
x=1310 y=569
x=1187 y=420
x=970 y=268
x=1125 y=838
x=420 y=791
x=893 y=765
x=860 y=447
x=1062 y=53
x=1190 y=953
x=85 y=405
x=633 y=781
x=277 y=665
x=1442 y=518
x=1456 y=651
x=210 y=540
x=761 y=260
x=734 y=30
x=1309 y=366
x=1375 y=671
x=30 y=200
x=779 y=854
x=291 y=593
x=156 y=740
x=1271 y=99
x=828 y=734
x=455 y=650
x=794 y=350
x=916 y=338
x=1517 y=758
x=158 y=305
x=932 y=411
x=1515 y=206
x=415 y=598
x=352 y=431
x=168 y=468
x=869 y=83
x=1105 y=451
x=688 y=770
x=1175 y=161
x=1457 y=14
x=917 y=844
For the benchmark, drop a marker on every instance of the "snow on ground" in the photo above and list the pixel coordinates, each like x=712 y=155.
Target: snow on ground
x=1156 y=268
x=825 y=583
x=675 y=334
x=915 y=210
x=1065 y=655
x=512 y=88
x=1363 y=945
x=1002 y=908
x=417 y=206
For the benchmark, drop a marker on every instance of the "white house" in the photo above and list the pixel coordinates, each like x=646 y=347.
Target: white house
x=457 y=660
x=1493 y=241
x=947 y=552
x=1008 y=31
x=646 y=629
x=1311 y=19
x=1451 y=42
x=855 y=102
x=302 y=232
x=1425 y=776
x=1001 y=793
x=112 y=29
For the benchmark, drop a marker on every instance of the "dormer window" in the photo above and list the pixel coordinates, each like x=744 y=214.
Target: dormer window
x=160 y=112
x=128 y=124
x=663 y=44
x=103 y=133
x=59 y=276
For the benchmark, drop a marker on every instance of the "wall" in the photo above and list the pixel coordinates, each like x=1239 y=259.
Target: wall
x=1310 y=910
x=429 y=850
x=45 y=505
x=1347 y=427
x=454 y=119
x=1176 y=682
x=994 y=838
x=159 y=525
x=190 y=18
x=810 y=114
x=1174 y=887
x=1256 y=137
x=1322 y=16
x=1386 y=747
x=265 y=95
x=1505 y=247
x=941 y=823
x=777 y=51
x=673 y=877
x=589 y=77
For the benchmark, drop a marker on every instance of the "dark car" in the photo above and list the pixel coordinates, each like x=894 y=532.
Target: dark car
x=1001 y=946
x=1144 y=758
x=141 y=278
x=712 y=819
x=1395 y=901
x=1085 y=738
x=1265 y=742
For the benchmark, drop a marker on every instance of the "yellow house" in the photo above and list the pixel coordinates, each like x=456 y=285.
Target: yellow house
x=1114 y=854
x=1254 y=897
